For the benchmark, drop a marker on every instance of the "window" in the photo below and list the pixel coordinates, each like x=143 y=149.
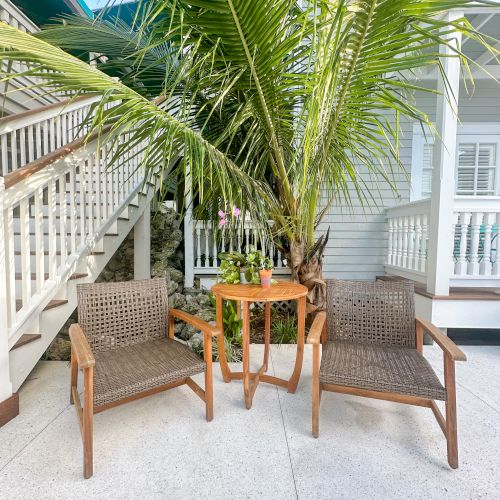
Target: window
x=476 y=169
x=478 y=147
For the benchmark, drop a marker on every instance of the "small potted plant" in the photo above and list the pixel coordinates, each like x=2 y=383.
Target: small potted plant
x=265 y=271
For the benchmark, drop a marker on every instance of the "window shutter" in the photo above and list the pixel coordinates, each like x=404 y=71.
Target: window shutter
x=476 y=169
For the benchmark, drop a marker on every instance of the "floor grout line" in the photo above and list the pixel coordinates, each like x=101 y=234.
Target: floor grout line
x=284 y=429
x=34 y=437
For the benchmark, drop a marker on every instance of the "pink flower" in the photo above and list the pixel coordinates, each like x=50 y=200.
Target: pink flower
x=221 y=214
x=236 y=211
x=222 y=222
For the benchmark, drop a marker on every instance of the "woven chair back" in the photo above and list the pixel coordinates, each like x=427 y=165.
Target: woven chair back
x=381 y=312
x=119 y=314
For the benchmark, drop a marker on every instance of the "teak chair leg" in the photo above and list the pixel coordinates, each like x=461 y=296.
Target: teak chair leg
x=451 y=412
x=209 y=393
x=74 y=376
x=315 y=392
x=88 y=421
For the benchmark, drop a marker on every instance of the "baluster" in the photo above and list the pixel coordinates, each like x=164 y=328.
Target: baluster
x=39 y=241
x=5 y=156
x=105 y=187
x=46 y=137
x=485 y=267
x=496 y=263
x=399 y=241
x=13 y=150
x=404 y=258
x=418 y=242
x=91 y=194
x=83 y=200
x=473 y=268
x=390 y=241
x=10 y=263
x=24 y=220
x=97 y=190
x=22 y=146
x=280 y=260
x=58 y=136
x=52 y=133
x=423 y=245
x=461 y=264
x=52 y=231
x=247 y=239
x=31 y=143
x=72 y=207
x=62 y=220
x=198 y=243
x=411 y=242
x=214 y=243
x=64 y=129
x=38 y=139
x=207 y=246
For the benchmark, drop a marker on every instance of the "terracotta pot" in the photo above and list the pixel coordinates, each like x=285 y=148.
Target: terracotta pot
x=265 y=277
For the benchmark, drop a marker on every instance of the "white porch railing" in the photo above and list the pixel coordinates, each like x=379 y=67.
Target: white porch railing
x=209 y=241
x=475 y=257
x=408 y=228
x=27 y=136
x=50 y=219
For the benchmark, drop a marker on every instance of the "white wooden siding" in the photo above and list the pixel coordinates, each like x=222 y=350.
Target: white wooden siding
x=358 y=237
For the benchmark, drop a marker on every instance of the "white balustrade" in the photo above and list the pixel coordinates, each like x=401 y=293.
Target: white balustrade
x=475 y=232
x=476 y=246
x=210 y=240
x=28 y=136
x=407 y=227
x=55 y=216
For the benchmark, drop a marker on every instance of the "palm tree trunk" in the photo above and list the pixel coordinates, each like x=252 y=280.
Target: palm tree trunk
x=308 y=271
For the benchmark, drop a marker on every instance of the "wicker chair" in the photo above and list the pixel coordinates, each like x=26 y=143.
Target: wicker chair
x=372 y=347
x=120 y=343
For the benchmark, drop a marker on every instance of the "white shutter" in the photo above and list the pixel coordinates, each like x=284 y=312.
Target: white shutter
x=427 y=170
x=476 y=168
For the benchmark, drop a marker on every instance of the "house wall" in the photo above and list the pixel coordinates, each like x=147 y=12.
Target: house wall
x=358 y=239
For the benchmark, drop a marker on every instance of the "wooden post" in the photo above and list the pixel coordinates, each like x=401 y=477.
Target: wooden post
x=5 y=383
x=88 y=422
x=142 y=245
x=439 y=265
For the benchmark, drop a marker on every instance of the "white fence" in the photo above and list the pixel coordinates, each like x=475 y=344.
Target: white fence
x=210 y=240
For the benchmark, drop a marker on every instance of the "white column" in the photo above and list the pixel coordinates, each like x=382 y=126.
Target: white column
x=188 y=232
x=439 y=265
x=142 y=245
x=5 y=383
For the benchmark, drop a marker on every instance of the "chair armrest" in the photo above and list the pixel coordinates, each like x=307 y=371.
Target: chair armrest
x=198 y=323
x=446 y=344
x=80 y=346
x=314 y=336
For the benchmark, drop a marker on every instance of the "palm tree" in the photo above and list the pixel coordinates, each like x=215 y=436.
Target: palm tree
x=274 y=105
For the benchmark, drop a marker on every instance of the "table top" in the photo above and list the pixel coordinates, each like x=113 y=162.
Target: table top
x=281 y=290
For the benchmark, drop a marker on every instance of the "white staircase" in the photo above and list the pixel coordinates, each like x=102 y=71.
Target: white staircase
x=63 y=214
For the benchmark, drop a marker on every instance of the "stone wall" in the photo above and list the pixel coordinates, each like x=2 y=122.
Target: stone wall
x=167 y=260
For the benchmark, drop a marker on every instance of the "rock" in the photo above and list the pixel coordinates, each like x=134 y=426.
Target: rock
x=59 y=350
x=172 y=287
x=203 y=300
x=206 y=315
x=176 y=275
x=196 y=342
x=177 y=301
x=188 y=332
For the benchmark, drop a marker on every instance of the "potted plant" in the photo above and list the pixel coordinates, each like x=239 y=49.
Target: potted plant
x=265 y=271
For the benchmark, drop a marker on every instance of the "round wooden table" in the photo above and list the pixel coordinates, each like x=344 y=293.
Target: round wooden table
x=246 y=294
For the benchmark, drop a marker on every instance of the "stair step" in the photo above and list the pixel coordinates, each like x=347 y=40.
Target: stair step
x=50 y=305
x=26 y=339
x=77 y=276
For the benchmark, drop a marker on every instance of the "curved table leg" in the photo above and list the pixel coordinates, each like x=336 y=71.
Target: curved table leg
x=219 y=319
x=301 y=326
